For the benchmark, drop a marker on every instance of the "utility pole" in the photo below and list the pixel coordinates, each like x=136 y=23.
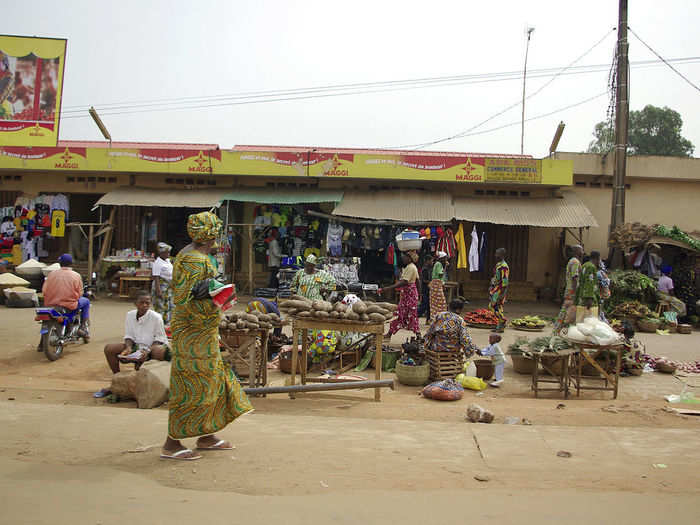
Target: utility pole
x=622 y=112
x=529 y=31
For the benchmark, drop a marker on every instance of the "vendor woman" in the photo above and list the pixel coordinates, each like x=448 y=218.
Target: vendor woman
x=161 y=289
x=449 y=331
x=437 y=285
x=407 y=312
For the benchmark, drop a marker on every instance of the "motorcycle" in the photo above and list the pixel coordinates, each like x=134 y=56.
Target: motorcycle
x=60 y=326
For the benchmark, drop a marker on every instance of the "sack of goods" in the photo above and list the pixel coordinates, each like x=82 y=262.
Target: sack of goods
x=592 y=330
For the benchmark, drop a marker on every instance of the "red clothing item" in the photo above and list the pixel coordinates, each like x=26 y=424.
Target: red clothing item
x=63 y=287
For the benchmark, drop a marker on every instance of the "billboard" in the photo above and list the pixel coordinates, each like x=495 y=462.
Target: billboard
x=31 y=83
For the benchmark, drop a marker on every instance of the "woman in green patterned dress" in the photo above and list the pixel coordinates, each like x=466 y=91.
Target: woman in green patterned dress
x=204 y=395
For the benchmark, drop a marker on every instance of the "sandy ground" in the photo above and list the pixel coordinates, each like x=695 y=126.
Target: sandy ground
x=340 y=457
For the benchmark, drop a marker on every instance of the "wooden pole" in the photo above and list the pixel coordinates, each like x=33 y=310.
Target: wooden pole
x=621 y=121
x=91 y=242
x=250 y=259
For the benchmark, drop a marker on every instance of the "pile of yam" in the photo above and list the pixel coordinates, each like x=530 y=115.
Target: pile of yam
x=360 y=311
x=250 y=321
x=631 y=235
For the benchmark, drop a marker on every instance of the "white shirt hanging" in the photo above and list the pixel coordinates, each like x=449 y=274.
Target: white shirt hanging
x=474 y=252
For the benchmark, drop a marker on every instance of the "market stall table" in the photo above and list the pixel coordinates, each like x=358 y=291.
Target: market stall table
x=557 y=377
x=301 y=326
x=257 y=361
x=125 y=282
x=586 y=353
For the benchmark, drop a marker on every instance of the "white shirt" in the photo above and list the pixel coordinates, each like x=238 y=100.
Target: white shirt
x=146 y=330
x=665 y=284
x=163 y=269
x=474 y=252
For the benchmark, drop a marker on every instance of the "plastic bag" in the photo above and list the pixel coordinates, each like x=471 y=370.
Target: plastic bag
x=575 y=334
x=474 y=383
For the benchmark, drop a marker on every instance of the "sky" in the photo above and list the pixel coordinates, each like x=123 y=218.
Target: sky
x=130 y=52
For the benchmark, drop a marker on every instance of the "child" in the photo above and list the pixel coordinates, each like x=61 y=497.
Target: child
x=498 y=358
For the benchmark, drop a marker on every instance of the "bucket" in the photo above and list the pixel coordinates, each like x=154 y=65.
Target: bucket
x=484 y=368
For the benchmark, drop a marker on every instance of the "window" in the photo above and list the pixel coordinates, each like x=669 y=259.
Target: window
x=524 y=193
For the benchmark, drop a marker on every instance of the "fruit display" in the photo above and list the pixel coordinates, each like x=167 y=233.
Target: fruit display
x=481 y=317
x=529 y=321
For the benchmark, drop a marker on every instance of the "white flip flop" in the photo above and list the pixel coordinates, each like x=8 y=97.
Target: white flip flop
x=176 y=455
x=217 y=446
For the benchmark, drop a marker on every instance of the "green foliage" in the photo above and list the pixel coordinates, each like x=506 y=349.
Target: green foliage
x=679 y=235
x=652 y=131
x=630 y=285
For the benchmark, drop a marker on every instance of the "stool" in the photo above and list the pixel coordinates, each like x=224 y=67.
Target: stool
x=662 y=307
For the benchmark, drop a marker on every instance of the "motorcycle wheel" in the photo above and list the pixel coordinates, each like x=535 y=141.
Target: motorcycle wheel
x=52 y=352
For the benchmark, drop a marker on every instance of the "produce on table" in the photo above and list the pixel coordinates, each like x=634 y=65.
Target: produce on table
x=482 y=316
x=549 y=343
x=252 y=321
x=633 y=309
x=298 y=306
x=630 y=235
x=689 y=367
x=521 y=346
x=677 y=234
x=630 y=285
x=529 y=321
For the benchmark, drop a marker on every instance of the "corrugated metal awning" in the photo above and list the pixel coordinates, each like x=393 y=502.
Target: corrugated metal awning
x=407 y=206
x=132 y=196
x=282 y=195
x=567 y=211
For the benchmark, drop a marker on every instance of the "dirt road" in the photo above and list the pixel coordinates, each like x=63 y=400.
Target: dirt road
x=339 y=458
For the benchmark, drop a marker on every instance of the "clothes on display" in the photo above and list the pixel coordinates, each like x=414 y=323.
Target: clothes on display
x=474 y=251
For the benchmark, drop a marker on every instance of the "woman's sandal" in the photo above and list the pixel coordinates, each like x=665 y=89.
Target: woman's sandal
x=217 y=446
x=177 y=455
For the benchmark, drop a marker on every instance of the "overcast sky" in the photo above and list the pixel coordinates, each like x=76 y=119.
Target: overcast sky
x=133 y=51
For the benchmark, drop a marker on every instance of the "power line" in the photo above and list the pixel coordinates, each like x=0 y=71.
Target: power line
x=663 y=59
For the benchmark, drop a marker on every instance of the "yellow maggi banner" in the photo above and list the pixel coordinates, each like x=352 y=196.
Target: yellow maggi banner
x=338 y=165
x=31 y=83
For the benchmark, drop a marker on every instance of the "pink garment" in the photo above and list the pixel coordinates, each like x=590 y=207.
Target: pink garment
x=665 y=284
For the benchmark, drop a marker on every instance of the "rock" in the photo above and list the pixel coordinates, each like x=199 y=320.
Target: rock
x=526 y=421
x=564 y=454
x=478 y=414
x=152 y=384
x=481 y=477
x=512 y=420
x=611 y=408
x=148 y=386
x=560 y=406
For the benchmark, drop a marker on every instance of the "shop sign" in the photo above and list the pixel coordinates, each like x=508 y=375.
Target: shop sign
x=31 y=85
x=520 y=171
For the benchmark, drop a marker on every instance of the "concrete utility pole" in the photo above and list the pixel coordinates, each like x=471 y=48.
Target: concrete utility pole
x=622 y=112
x=529 y=31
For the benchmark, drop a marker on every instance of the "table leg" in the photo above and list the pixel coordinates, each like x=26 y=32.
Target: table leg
x=535 y=374
x=304 y=351
x=251 y=364
x=618 y=365
x=295 y=340
x=378 y=365
x=565 y=377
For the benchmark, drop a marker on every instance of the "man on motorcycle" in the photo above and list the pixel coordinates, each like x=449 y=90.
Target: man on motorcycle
x=64 y=288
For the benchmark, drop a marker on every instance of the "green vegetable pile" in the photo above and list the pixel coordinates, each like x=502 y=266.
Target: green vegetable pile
x=679 y=235
x=550 y=343
x=630 y=285
x=520 y=346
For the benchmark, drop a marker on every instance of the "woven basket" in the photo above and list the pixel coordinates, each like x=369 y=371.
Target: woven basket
x=522 y=364
x=685 y=329
x=286 y=362
x=413 y=375
x=648 y=325
x=555 y=363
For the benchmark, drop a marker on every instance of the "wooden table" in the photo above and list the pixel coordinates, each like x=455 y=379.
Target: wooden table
x=586 y=354
x=301 y=326
x=450 y=288
x=560 y=379
x=257 y=372
x=125 y=282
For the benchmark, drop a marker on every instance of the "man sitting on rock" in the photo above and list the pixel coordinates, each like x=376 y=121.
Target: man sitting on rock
x=144 y=339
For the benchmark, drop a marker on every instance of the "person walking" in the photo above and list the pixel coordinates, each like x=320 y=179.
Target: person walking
x=161 y=289
x=438 y=303
x=498 y=290
x=407 y=312
x=573 y=271
x=205 y=396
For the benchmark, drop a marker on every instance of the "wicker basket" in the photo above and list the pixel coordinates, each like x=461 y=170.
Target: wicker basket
x=685 y=329
x=286 y=361
x=444 y=365
x=522 y=364
x=555 y=363
x=648 y=325
x=417 y=375
x=484 y=368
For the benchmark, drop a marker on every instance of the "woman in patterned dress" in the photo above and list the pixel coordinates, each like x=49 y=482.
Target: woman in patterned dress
x=573 y=269
x=204 y=395
x=407 y=311
x=449 y=331
x=498 y=291
x=438 y=303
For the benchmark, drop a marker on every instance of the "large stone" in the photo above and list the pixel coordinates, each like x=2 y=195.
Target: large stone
x=149 y=386
x=152 y=384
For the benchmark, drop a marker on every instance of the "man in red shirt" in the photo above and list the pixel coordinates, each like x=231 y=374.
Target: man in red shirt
x=64 y=287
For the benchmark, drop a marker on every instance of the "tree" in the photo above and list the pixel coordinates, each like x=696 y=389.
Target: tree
x=652 y=131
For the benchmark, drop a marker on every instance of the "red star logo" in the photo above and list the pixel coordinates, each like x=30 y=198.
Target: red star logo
x=336 y=162
x=468 y=168
x=200 y=160
x=66 y=156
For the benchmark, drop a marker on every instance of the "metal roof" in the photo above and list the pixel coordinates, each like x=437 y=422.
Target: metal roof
x=567 y=211
x=168 y=198
x=364 y=151
x=407 y=206
x=134 y=145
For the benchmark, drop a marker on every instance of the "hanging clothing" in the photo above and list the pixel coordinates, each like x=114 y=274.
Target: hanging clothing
x=60 y=202
x=334 y=238
x=446 y=242
x=482 y=252
x=461 y=247
x=474 y=251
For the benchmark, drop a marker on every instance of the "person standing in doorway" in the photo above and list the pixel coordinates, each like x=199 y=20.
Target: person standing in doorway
x=274 y=258
x=499 y=288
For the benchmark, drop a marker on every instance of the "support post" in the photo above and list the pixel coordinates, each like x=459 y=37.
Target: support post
x=91 y=242
x=250 y=259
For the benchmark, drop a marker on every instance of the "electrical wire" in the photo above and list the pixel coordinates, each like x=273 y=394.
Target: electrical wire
x=663 y=59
